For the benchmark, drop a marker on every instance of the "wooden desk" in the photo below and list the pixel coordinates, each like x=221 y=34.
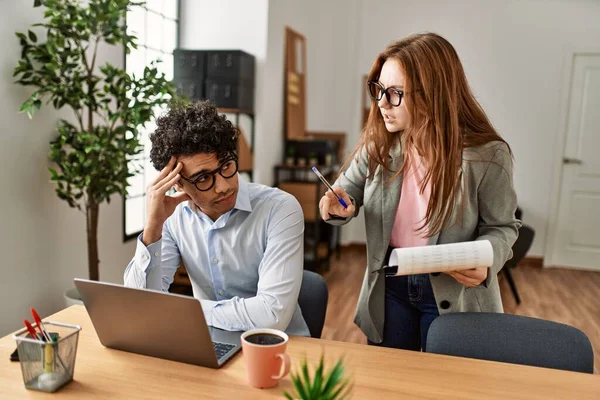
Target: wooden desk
x=378 y=374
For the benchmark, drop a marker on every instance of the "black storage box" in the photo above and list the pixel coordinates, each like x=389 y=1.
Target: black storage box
x=225 y=77
x=191 y=88
x=226 y=94
x=189 y=64
x=235 y=66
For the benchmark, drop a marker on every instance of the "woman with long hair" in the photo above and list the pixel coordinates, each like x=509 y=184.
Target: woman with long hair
x=429 y=169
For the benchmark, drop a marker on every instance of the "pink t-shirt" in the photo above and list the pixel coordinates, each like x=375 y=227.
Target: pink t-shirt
x=412 y=207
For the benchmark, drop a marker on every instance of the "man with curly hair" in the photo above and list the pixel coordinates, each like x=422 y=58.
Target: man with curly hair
x=241 y=243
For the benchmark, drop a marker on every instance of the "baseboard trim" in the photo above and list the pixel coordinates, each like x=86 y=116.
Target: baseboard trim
x=533 y=261
x=353 y=245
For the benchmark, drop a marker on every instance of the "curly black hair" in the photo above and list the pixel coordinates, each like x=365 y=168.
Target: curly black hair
x=192 y=129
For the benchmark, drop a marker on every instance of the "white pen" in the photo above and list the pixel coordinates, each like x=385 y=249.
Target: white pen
x=322 y=178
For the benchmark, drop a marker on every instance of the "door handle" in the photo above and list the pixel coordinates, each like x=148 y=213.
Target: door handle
x=567 y=160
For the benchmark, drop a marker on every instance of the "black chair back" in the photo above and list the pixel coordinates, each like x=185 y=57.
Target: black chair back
x=313 y=302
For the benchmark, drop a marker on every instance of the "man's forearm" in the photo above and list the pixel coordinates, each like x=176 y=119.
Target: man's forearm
x=152 y=233
x=239 y=314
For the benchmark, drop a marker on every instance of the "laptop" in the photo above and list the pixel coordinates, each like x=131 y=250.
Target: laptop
x=156 y=324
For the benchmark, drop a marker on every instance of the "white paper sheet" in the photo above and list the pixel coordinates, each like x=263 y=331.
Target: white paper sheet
x=442 y=257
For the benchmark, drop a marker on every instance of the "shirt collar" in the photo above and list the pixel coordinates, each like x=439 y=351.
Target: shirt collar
x=243 y=196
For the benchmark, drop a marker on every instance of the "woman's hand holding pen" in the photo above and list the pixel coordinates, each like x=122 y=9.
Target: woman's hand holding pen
x=470 y=277
x=160 y=206
x=330 y=205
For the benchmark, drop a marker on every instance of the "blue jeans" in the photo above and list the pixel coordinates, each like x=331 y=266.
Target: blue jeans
x=410 y=308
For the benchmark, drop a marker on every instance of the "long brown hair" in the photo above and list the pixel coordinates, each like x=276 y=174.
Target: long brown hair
x=445 y=119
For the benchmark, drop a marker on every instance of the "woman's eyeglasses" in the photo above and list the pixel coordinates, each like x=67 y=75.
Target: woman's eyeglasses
x=393 y=95
x=207 y=180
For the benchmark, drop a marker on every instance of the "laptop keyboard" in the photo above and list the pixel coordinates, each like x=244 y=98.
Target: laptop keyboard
x=222 y=348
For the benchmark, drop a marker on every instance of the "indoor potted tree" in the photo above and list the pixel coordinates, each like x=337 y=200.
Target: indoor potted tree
x=91 y=151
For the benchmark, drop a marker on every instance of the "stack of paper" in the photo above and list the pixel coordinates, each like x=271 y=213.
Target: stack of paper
x=442 y=257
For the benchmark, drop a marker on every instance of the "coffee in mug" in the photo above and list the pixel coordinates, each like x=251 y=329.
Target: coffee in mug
x=264 y=352
x=264 y=339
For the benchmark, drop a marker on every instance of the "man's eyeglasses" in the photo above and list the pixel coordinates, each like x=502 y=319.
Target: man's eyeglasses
x=393 y=95
x=207 y=180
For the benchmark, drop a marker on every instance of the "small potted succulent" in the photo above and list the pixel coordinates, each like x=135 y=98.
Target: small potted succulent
x=313 y=160
x=330 y=385
x=290 y=153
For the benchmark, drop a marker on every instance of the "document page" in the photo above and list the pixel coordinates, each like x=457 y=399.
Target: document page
x=442 y=257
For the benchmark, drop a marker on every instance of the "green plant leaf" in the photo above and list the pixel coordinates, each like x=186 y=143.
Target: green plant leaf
x=316 y=387
x=53 y=173
x=32 y=36
x=299 y=387
x=335 y=375
x=24 y=107
x=288 y=396
x=306 y=376
x=338 y=393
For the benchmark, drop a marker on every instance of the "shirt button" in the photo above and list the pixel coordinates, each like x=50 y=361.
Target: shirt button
x=221 y=292
x=445 y=304
x=156 y=254
x=144 y=257
x=215 y=260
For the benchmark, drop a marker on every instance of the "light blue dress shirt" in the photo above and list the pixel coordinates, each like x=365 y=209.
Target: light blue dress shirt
x=245 y=268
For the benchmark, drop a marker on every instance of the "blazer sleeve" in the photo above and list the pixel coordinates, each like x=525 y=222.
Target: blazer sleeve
x=497 y=205
x=352 y=180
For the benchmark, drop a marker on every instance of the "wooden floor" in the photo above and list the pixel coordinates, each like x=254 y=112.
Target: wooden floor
x=563 y=295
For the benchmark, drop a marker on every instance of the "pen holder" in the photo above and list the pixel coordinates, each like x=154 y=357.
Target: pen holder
x=48 y=366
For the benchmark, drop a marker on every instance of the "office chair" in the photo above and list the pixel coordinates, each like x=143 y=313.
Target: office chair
x=513 y=339
x=520 y=249
x=313 y=302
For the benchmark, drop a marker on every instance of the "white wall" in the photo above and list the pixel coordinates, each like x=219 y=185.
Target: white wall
x=223 y=25
x=42 y=240
x=513 y=52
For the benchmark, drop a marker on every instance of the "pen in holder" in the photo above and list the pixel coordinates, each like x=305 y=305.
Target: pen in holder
x=48 y=364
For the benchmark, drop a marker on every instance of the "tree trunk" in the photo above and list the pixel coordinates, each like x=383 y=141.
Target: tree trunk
x=91 y=211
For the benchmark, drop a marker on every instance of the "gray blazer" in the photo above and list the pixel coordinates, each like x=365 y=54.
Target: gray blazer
x=489 y=203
